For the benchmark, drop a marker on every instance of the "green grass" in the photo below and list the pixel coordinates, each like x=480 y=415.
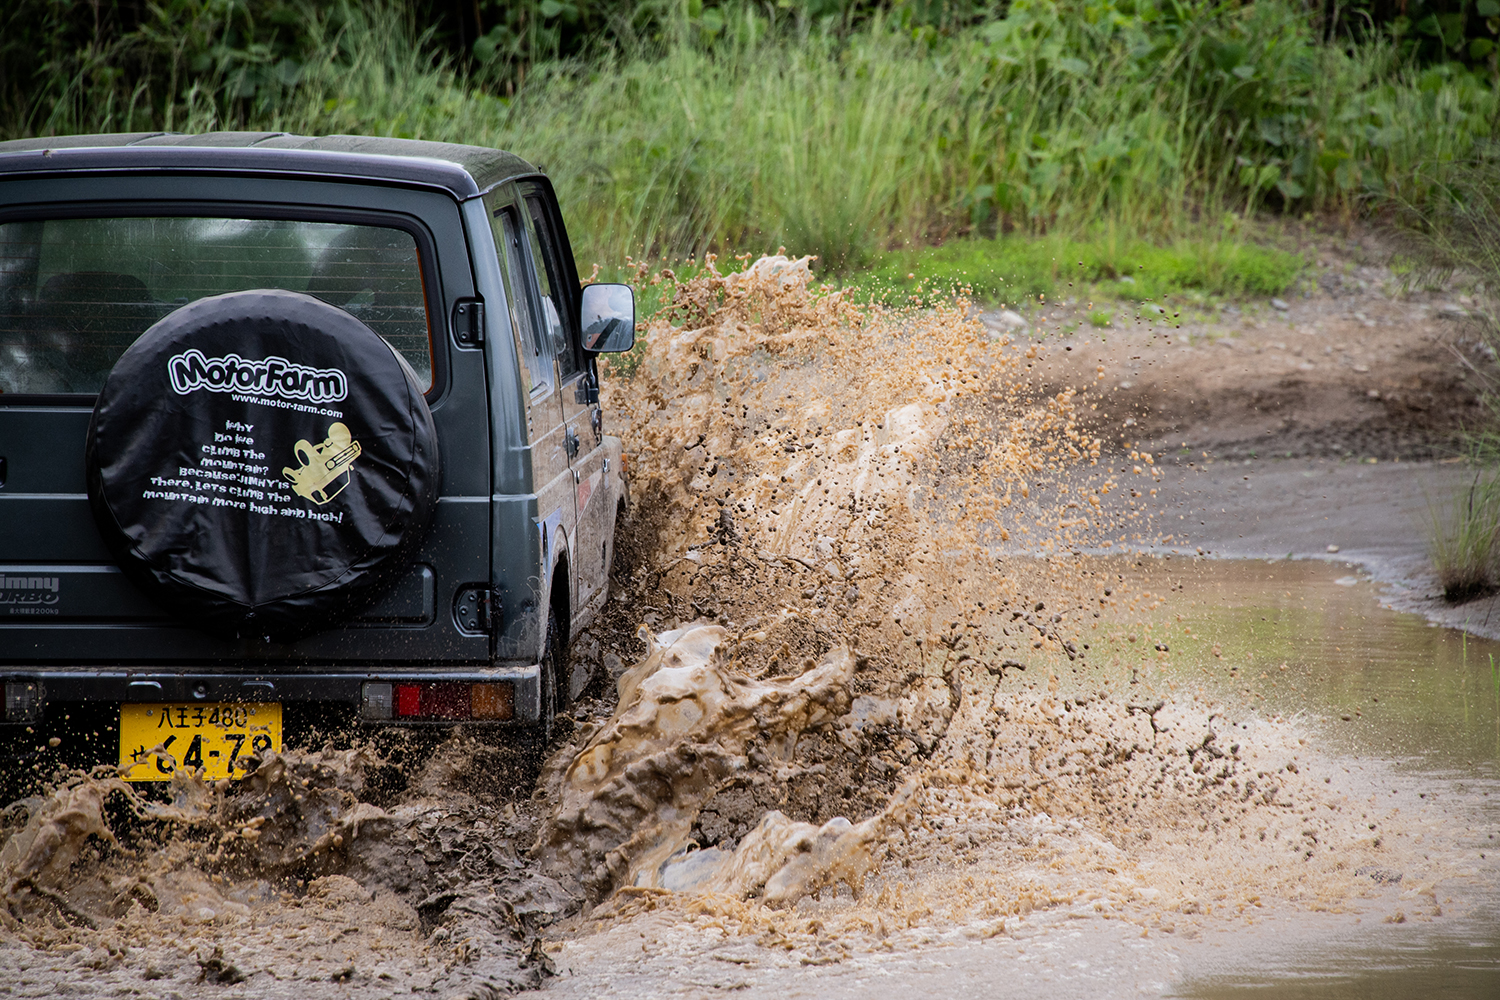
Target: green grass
x=1456 y=234
x=1058 y=121
x=1016 y=269
x=1464 y=540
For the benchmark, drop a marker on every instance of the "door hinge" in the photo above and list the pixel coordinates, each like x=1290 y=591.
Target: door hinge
x=471 y=609
x=587 y=392
x=468 y=323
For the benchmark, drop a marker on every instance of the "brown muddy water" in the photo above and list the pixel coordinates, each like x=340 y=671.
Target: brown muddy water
x=1384 y=883
x=1411 y=713
x=835 y=745
x=1309 y=637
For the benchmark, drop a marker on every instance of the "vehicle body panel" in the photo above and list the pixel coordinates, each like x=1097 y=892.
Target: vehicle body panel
x=508 y=518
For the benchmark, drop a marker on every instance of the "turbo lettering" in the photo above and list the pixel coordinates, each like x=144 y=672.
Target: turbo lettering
x=273 y=376
x=28 y=590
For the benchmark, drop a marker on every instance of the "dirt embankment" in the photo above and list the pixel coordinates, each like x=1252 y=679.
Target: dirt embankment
x=1349 y=366
x=1327 y=425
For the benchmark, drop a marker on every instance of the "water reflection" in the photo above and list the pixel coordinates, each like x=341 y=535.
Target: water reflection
x=1305 y=636
x=1445 y=965
x=1309 y=637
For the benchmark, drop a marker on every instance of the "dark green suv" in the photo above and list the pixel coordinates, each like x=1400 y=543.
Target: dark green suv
x=290 y=420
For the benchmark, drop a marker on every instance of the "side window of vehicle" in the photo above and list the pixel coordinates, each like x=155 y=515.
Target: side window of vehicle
x=557 y=306
x=534 y=347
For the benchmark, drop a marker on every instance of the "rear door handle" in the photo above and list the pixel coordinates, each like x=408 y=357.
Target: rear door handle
x=570 y=442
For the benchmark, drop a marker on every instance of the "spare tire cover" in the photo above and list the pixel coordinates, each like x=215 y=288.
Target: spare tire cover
x=262 y=463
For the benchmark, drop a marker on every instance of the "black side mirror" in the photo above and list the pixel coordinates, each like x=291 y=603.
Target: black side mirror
x=608 y=318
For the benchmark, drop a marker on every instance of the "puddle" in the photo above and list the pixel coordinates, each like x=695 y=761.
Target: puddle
x=1451 y=964
x=1177 y=815
x=1413 y=710
x=1308 y=638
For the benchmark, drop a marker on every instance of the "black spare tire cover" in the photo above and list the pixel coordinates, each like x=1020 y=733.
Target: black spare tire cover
x=262 y=463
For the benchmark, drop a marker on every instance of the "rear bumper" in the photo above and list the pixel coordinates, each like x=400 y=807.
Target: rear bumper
x=335 y=687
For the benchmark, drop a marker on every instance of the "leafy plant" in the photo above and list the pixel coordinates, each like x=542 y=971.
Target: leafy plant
x=127 y=66
x=839 y=128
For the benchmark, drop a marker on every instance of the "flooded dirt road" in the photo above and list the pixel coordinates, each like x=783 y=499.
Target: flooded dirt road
x=899 y=690
x=1393 y=724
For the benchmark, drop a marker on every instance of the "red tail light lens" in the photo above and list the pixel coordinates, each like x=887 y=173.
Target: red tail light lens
x=441 y=700
x=453 y=700
x=408 y=700
x=445 y=701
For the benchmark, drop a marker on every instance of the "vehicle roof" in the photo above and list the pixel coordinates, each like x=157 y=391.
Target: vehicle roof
x=466 y=171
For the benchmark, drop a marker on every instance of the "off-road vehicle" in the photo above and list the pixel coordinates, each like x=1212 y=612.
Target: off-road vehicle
x=293 y=421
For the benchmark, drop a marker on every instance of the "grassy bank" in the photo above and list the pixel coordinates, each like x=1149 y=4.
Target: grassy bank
x=1108 y=265
x=1060 y=120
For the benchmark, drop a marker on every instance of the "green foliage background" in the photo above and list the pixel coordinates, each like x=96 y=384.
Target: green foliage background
x=844 y=128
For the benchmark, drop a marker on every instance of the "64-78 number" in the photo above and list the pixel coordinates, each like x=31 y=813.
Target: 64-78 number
x=234 y=742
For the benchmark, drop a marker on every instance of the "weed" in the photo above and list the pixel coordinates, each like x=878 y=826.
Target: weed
x=1464 y=540
x=1101 y=317
x=1457 y=232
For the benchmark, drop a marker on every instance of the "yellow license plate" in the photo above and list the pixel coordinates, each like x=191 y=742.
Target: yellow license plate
x=156 y=740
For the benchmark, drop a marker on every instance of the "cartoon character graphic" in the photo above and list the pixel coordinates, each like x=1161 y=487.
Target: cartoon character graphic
x=323 y=465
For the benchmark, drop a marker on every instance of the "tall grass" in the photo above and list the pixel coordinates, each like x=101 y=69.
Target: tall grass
x=1457 y=229
x=1464 y=539
x=1061 y=117
x=1042 y=121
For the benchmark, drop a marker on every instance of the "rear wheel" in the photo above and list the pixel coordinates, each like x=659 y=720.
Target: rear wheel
x=539 y=737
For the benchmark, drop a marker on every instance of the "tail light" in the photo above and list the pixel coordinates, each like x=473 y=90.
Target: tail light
x=437 y=701
x=23 y=701
x=492 y=701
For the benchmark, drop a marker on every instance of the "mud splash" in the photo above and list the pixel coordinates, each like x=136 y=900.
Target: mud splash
x=625 y=806
x=825 y=482
x=288 y=878
x=788 y=447
x=776 y=415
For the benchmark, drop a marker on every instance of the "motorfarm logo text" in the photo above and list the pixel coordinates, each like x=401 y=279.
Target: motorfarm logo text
x=190 y=371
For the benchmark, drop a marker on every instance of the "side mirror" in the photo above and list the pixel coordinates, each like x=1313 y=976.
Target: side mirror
x=608 y=318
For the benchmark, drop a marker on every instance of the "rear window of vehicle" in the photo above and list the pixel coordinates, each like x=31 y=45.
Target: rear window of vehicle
x=75 y=293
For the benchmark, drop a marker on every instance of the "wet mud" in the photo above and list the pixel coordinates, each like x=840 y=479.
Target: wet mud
x=828 y=714
x=288 y=878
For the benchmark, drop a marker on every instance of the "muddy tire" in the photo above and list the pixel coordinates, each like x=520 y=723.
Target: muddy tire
x=262 y=464
x=539 y=736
